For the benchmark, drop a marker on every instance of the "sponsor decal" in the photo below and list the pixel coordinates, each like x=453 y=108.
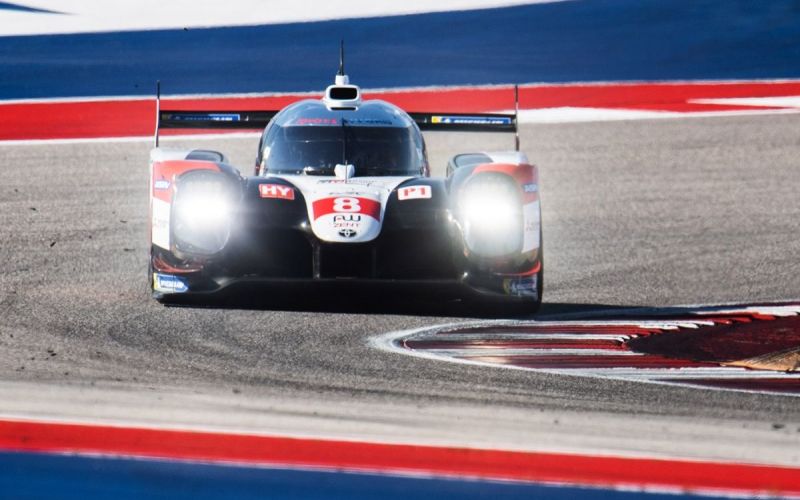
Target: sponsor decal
x=169 y=284
x=351 y=221
x=368 y=121
x=530 y=188
x=316 y=121
x=414 y=193
x=347 y=233
x=358 y=182
x=346 y=218
x=278 y=191
x=347 y=205
x=471 y=120
x=161 y=184
x=521 y=286
x=207 y=117
x=532 y=224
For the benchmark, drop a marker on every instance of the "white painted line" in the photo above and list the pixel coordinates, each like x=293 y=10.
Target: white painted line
x=730 y=308
x=165 y=98
x=86 y=16
x=588 y=115
x=459 y=337
x=778 y=102
x=687 y=373
x=567 y=324
x=149 y=138
x=428 y=88
x=463 y=353
x=783 y=311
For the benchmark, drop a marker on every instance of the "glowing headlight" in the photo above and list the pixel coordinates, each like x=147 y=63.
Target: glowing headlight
x=491 y=215
x=203 y=210
x=488 y=210
x=202 y=214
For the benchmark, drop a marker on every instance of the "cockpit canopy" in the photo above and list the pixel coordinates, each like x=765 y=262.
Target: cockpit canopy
x=309 y=138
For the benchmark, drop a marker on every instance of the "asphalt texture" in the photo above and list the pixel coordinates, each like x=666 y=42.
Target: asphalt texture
x=636 y=213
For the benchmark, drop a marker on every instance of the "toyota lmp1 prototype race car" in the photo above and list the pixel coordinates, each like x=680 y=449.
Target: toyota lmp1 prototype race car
x=342 y=194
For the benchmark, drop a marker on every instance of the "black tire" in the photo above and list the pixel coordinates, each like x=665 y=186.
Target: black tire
x=503 y=307
x=150 y=271
x=533 y=306
x=539 y=277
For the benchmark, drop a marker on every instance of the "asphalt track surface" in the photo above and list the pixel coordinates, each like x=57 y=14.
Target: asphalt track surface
x=636 y=213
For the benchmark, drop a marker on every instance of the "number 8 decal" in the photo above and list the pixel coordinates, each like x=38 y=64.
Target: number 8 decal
x=346 y=205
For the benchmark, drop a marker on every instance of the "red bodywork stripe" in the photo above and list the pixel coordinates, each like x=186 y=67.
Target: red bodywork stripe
x=170 y=170
x=530 y=272
x=523 y=175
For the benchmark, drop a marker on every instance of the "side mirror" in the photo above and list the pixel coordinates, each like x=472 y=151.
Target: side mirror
x=464 y=160
x=206 y=155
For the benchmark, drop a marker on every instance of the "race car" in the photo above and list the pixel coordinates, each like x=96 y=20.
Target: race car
x=342 y=194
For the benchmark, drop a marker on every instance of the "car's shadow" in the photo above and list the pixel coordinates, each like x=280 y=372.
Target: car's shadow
x=420 y=301
x=386 y=303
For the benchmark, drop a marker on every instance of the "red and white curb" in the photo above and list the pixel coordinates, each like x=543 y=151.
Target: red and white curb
x=601 y=347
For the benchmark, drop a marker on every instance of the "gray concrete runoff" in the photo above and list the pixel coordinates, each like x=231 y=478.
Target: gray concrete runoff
x=636 y=213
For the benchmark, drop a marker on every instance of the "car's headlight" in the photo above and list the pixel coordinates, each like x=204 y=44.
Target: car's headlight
x=491 y=215
x=202 y=210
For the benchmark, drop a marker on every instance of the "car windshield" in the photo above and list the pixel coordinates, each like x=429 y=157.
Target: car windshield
x=316 y=150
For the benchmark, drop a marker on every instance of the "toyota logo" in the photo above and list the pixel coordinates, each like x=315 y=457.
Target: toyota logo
x=347 y=233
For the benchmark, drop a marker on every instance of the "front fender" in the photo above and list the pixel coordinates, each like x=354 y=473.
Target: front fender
x=523 y=252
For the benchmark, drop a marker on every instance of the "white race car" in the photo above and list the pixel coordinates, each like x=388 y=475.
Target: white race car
x=342 y=195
